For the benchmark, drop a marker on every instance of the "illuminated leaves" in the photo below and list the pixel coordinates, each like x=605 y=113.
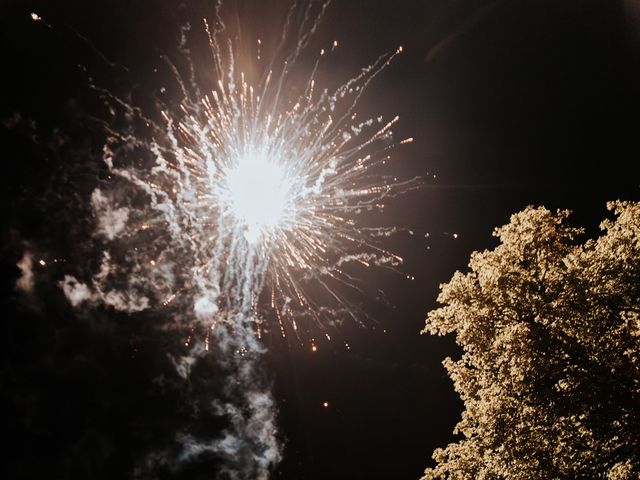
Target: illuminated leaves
x=550 y=371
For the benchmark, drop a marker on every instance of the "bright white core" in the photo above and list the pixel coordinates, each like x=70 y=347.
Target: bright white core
x=259 y=191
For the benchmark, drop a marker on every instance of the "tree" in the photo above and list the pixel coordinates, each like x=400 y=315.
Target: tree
x=550 y=369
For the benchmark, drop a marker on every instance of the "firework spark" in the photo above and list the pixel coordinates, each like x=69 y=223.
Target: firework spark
x=265 y=189
x=252 y=200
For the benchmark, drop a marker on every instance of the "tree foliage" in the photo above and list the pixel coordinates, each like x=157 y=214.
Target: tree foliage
x=550 y=370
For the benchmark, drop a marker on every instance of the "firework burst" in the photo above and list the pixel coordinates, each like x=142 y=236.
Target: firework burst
x=265 y=188
x=253 y=199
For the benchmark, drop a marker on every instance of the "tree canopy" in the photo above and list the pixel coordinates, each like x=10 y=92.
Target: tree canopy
x=550 y=369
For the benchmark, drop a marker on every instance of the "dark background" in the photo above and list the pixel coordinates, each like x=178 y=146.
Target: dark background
x=511 y=103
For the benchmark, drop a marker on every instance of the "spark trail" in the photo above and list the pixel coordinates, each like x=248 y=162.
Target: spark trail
x=243 y=204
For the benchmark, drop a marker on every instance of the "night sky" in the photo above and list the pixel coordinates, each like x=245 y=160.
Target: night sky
x=511 y=103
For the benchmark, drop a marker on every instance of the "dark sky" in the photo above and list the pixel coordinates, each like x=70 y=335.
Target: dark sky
x=510 y=103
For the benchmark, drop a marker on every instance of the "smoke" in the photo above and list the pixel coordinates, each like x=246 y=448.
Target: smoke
x=130 y=299
x=75 y=291
x=247 y=446
x=111 y=221
x=25 y=282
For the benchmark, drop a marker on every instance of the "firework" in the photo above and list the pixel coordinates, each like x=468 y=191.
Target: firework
x=265 y=189
x=252 y=199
